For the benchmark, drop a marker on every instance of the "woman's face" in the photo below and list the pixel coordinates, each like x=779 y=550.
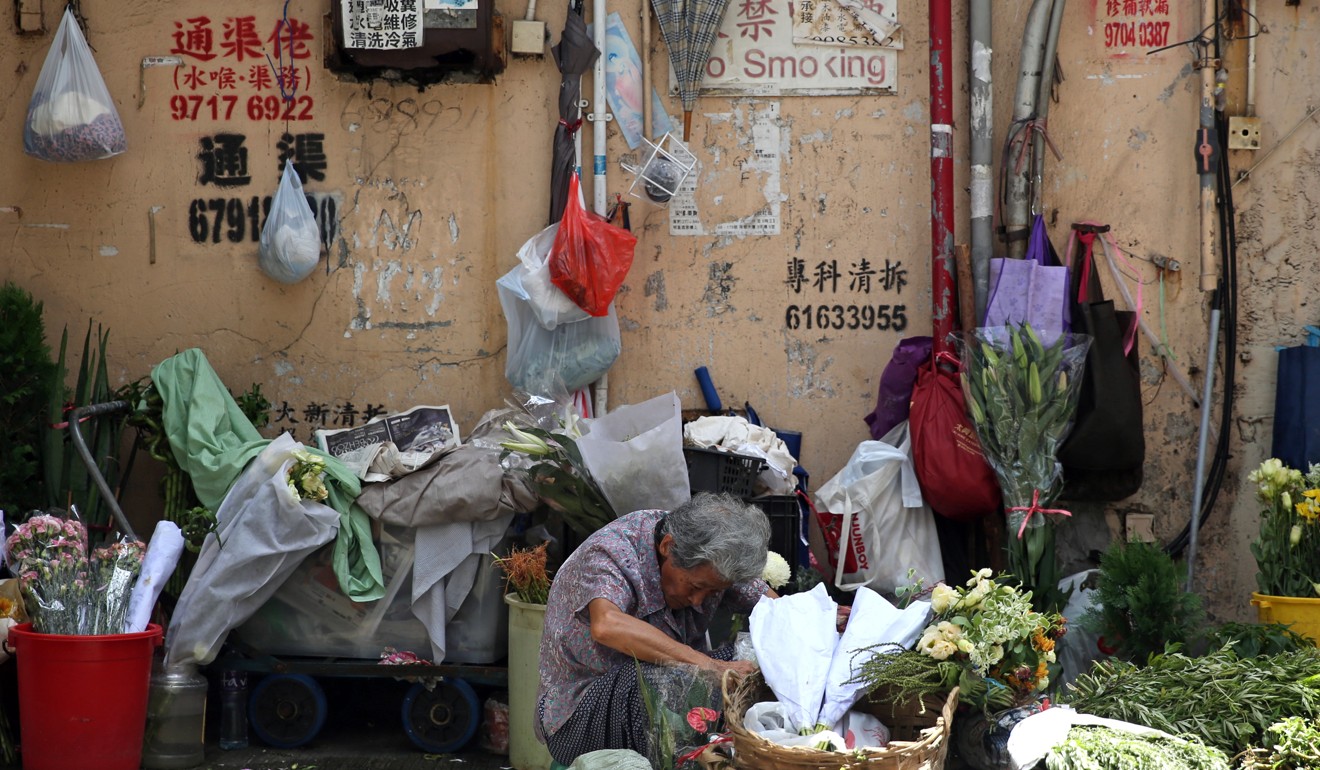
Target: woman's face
x=686 y=587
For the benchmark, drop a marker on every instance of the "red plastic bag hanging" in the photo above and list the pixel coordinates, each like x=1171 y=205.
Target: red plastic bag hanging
x=590 y=257
x=955 y=479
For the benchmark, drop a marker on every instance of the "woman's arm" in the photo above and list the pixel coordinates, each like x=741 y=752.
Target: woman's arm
x=620 y=631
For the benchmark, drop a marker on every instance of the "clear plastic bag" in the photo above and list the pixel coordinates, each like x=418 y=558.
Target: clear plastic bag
x=568 y=357
x=290 y=241
x=71 y=117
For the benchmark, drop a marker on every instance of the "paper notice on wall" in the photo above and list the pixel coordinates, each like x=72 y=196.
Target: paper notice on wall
x=382 y=24
x=848 y=23
x=684 y=217
x=754 y=186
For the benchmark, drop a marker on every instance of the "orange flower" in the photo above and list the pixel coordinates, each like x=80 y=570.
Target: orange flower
x=7 y=608
x=1042 y=642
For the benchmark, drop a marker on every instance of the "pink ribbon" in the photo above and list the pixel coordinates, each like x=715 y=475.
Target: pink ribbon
x=1035 y=508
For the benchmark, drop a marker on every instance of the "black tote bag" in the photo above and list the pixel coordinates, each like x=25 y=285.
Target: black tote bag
x=1105 y=452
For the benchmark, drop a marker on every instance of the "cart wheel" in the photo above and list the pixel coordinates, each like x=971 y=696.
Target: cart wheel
x=441 y=720
x=287 y=710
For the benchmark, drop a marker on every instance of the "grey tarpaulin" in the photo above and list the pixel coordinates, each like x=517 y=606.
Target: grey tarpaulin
x=465 y=484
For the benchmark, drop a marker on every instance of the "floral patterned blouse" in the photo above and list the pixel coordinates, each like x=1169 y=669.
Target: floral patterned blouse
x=618 y=562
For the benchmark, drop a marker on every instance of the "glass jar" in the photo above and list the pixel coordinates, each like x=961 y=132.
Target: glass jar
x=176 y=719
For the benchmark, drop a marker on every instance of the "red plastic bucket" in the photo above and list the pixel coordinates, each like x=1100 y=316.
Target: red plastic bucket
x=82 y=700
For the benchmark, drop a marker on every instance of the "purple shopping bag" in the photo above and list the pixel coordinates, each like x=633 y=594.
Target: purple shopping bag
x=1032 y=290
x=894 y=399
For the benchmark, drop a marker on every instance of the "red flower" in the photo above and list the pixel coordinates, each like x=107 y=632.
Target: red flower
x=700 y=718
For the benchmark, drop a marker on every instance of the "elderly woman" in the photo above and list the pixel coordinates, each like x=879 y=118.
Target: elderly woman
x=643 y=588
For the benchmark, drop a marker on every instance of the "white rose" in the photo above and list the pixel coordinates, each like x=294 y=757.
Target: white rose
x=941 y=650
x=1050 y=657
x=949 y=631
x=942 y=598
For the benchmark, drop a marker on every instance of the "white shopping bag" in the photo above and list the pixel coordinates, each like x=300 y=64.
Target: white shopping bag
x=635 y=454
x=885 y=521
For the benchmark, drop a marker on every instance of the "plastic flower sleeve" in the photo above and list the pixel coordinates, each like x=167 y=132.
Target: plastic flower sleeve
x=1022 y=397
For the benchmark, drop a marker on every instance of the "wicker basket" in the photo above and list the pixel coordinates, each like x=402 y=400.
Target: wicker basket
x=919 y=732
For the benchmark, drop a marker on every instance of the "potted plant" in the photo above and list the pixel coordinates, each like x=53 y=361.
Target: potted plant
x=529 y=587
x=1287 y=550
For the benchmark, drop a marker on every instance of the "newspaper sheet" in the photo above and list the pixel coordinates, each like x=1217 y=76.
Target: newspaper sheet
x=393 y=445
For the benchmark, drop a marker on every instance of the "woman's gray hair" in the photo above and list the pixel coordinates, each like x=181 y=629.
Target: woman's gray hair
x=722 y=531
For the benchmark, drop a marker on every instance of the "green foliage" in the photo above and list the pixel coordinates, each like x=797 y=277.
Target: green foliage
x=1252 y=640
x=1295 y=745
x=68 y=482
x=1104 y=748
x=254 y=405
x=27 y=378
x=1225 y=700
x=907 y=674
x=1143 y=608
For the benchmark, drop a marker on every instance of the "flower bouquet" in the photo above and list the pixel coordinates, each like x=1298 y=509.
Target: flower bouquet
x=1004 y=648
x=1021 y=395
x=984 y=638
x=1287 y=549
x=558 y=475
x=66 y=590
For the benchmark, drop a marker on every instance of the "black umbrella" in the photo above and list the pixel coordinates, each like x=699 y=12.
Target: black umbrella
x=574 y=55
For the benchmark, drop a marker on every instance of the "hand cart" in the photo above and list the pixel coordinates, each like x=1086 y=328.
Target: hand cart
x=287 y=707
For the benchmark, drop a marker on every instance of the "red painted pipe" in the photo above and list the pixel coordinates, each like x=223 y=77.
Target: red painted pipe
x=943 y=296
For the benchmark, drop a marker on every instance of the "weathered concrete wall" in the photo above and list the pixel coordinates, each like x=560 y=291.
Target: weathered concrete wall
x=437 y=189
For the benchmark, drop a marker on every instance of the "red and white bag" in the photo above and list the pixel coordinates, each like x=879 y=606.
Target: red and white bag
x=875 y=524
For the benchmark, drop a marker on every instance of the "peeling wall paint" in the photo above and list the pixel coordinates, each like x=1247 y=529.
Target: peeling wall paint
x=440 y=188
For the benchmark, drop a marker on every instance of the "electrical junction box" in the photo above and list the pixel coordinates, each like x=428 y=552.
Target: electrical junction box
x=462 y=41
x=529 y=37
x=1243 y=133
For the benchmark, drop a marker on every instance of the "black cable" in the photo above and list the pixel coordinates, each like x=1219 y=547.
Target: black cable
x=1225 y=298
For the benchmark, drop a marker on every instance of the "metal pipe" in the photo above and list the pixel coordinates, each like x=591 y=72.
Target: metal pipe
x=1206 y=165
x=646 y=69
x=93 y=470
x=1200 y=445
x=1047 y=67
x=983 y=151
x=1253 y=29
x=599 y=110
x=943 y=299
x=1016 y=219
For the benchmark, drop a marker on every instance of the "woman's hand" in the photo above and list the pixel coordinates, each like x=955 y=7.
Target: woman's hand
x=739 y=668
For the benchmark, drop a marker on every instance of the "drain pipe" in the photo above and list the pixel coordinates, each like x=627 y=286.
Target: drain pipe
x=600 y=112
x=943 y=297
x=1016 y=219
x=983 y=170
x=599 y=117
x=1048 y=65
x=1253 y=30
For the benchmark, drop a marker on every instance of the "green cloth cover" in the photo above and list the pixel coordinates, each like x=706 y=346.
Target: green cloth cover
x=213 y=441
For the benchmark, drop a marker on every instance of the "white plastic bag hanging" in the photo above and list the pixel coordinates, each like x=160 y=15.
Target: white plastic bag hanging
x=549 y=302
x=71 y=116
x=884 y=519
x=290 y=241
